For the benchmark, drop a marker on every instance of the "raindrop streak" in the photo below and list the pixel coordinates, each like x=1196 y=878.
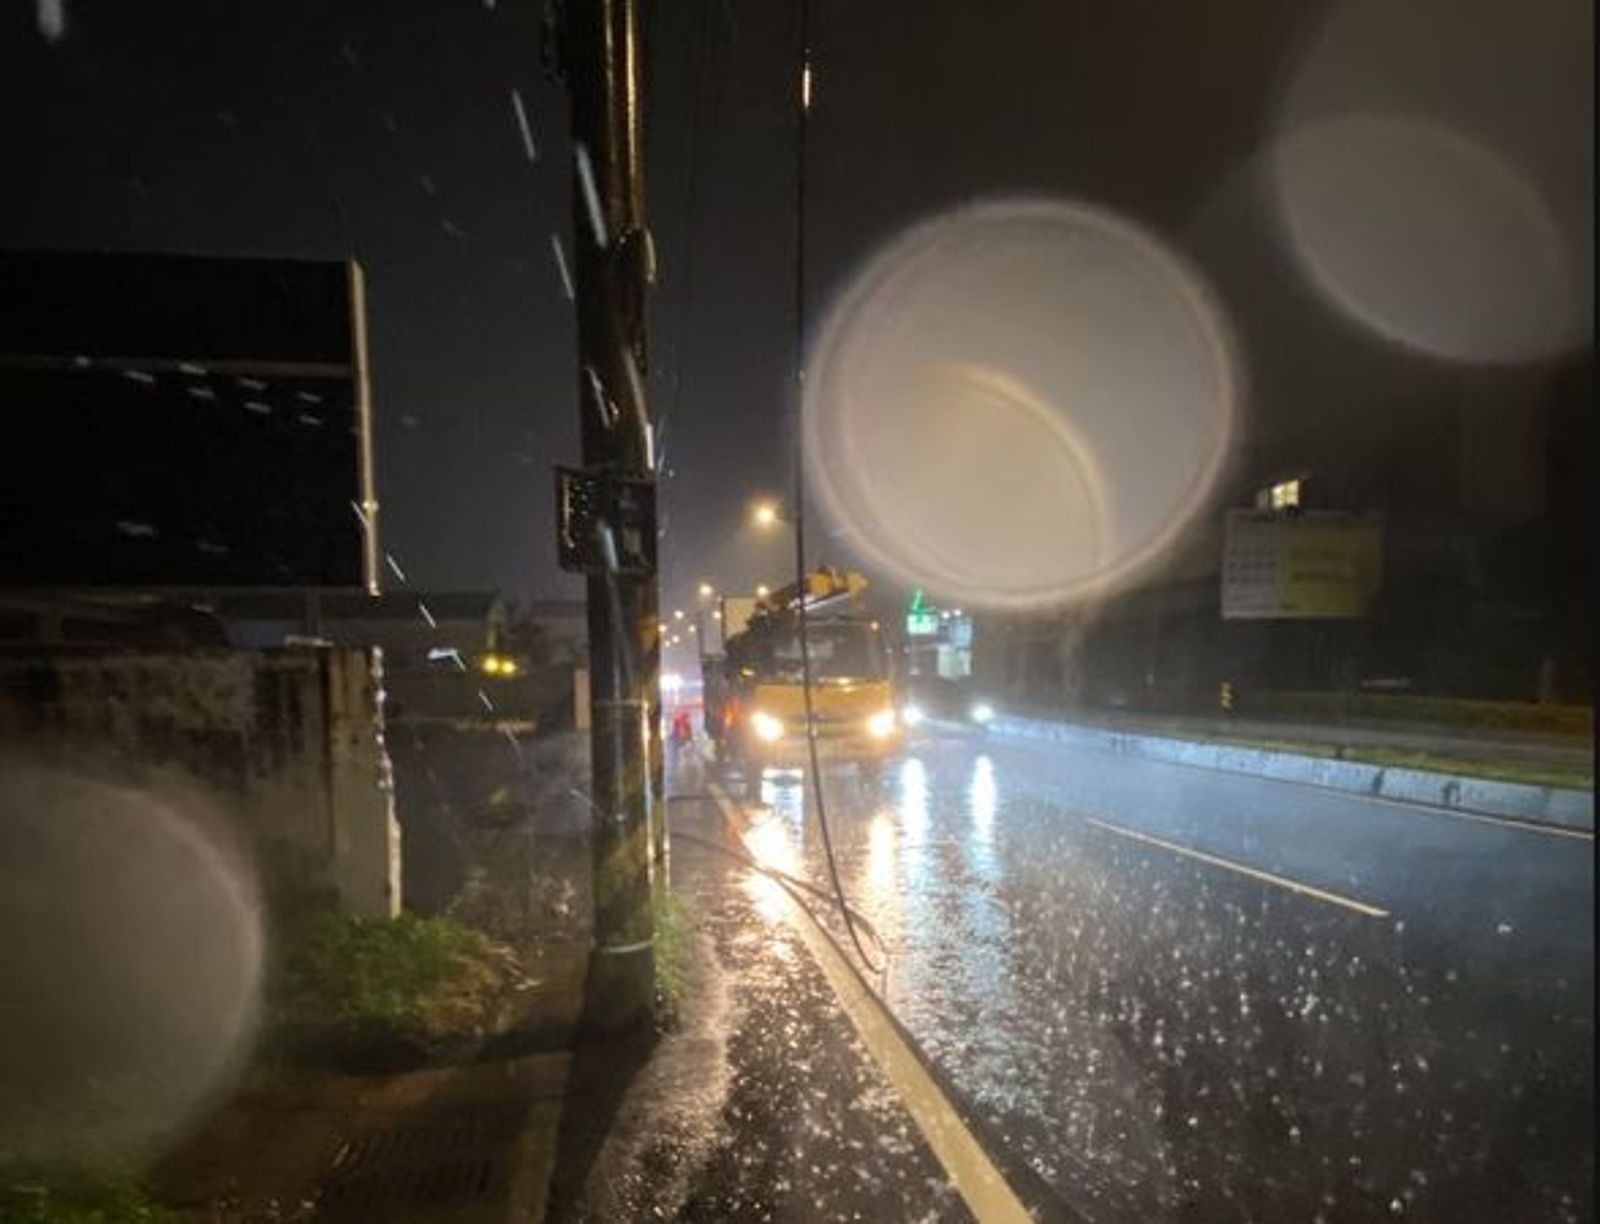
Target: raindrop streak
x=561 y=265
x=252 y=384
x=136 y=530
x=189 y=367
x=451 y=228
x=258 y=407
x=139 y=376
x=308 y=397
x=591 y=196
x=205 y=393
x=523 y=126
x=636 y=386
x=53 y=20
x=602 y=402
x=426 y=615
x=394 y=566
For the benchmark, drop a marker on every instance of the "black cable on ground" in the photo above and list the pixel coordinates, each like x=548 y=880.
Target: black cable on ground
x=783 y=877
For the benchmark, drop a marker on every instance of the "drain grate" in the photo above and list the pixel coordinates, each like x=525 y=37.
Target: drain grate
x=442 y=1160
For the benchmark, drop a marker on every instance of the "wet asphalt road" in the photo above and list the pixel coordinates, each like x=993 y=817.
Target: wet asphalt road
x=1394 y=1021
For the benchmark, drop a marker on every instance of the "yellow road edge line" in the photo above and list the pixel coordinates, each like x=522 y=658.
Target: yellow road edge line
x=1360 y=907
x=981 y=1185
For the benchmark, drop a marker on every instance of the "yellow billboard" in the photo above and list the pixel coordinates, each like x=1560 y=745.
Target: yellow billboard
x=1307 y=566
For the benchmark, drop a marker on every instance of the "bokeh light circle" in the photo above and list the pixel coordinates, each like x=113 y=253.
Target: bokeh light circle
x=132 y=977
x=1432 y=167
x=1020 y=403
x=1427 y=237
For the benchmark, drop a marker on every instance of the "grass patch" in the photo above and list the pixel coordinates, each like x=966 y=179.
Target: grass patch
x=383 y=991
x=674 y=928
x=1494 y=771
x=1521 y=716
x=33 y=1194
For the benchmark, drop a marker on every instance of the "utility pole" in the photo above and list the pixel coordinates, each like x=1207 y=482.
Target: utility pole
x=613 y=530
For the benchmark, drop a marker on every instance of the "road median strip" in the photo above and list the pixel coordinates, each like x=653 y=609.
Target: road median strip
x=1563 y=810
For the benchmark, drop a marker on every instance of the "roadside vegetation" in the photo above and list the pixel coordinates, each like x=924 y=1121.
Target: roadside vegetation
x=674 y=931
x=39 y=1194
x=383 y=992
x=1488 y=767
x=1435 y=712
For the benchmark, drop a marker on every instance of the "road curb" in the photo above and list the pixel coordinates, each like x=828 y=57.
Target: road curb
x=1544 y=805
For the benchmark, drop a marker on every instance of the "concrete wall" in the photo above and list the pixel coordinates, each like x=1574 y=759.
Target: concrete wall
x=289 y=743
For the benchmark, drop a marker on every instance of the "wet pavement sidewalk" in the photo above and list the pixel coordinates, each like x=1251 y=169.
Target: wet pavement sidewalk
x=467 y=1144
x=495 y=836
x=762 y=1102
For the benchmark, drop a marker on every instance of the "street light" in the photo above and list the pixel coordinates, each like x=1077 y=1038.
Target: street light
x=707 y=590
x=677 y=614
x=763 y=591
x=765 y=514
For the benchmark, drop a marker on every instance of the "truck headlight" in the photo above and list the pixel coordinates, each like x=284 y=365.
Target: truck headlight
x=881 y=724
x=913 y=716
x=766 y=727
x=982 y=713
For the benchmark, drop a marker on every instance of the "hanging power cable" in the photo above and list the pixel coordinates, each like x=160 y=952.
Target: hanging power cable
x=814 y=772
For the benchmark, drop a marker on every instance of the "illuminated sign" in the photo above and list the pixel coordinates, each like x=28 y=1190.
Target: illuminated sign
x=1314 y=566
x=921 y=619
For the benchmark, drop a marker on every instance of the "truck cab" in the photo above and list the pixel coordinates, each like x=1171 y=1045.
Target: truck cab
x=756 y=703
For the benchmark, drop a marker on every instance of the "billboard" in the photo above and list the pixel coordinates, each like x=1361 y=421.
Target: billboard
x=1307 y=566
x=184 y=421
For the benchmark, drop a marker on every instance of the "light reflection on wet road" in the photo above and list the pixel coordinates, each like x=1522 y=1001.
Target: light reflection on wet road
x=1168 y=1039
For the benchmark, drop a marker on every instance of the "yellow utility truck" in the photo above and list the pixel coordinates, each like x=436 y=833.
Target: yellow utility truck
x=755 y=692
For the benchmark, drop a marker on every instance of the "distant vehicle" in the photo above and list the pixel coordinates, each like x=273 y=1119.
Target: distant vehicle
x=755 y=692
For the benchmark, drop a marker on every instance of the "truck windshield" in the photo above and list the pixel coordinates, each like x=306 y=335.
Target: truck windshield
x=839 y=651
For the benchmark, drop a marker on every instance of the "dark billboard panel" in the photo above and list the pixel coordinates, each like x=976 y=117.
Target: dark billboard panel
x=183 y=421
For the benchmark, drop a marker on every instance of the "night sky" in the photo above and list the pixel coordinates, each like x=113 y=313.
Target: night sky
x=387 y=131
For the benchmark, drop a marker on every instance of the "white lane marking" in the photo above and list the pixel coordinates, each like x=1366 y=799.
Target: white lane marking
x=1255 y=873
x=1410 y=807
x=981 y=1185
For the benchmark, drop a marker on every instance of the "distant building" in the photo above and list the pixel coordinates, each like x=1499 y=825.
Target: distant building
x=562 y=624
x=1481 y=490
